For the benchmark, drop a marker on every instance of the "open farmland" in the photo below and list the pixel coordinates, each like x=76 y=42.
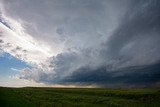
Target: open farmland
x=79 y=97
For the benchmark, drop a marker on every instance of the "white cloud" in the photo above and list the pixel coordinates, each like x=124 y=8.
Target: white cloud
x=16 y=82
x=21 y=45
x=14 y=69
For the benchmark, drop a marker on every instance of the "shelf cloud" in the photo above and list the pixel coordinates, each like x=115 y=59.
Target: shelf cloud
x=84 y=42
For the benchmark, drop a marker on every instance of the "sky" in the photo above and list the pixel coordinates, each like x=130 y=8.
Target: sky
x=80 y=43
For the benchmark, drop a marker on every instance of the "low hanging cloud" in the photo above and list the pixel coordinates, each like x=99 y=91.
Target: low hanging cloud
x=107 y=43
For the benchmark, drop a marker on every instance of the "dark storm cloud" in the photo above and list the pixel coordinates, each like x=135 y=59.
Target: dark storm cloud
x=131 y=54
x=142 y=21
x=137 y=76
x=105 y=42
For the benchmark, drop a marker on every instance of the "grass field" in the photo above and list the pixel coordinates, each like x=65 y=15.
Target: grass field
x=78 y=97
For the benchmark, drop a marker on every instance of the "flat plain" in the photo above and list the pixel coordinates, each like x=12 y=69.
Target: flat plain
x=79 y=97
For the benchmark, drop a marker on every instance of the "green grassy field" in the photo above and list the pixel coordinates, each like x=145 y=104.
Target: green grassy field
x=79 y=97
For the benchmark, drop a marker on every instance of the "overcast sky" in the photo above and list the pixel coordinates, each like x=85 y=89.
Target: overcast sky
x=111 y=43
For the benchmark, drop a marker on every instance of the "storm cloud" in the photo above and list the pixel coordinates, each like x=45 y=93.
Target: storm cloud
x=105 y=42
